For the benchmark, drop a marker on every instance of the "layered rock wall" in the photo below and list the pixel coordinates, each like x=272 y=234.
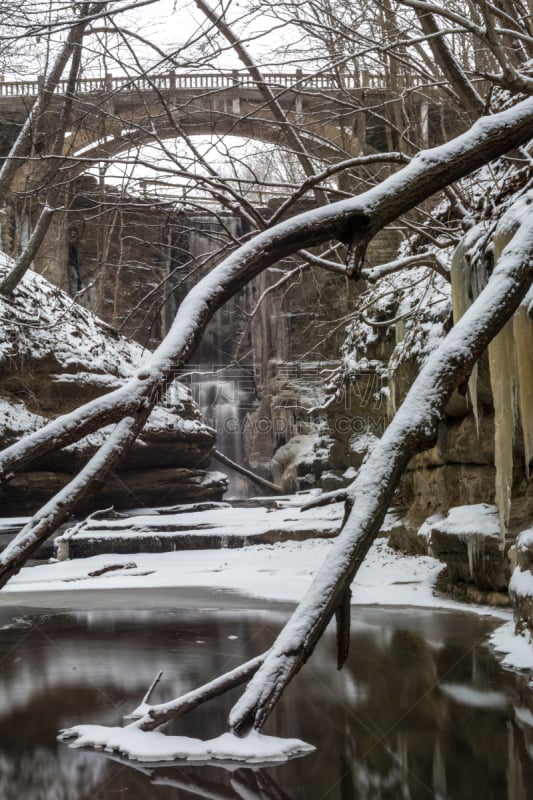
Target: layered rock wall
x=55 y=355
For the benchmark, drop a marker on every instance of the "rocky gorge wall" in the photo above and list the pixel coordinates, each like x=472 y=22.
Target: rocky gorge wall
x=55 y=355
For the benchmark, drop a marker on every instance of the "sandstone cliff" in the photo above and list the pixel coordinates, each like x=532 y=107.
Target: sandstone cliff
x=55 y=354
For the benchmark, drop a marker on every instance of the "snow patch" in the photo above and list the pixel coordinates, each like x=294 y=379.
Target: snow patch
x=525 y=540
x=480 y=519
x=518 y=649
x=152 y=746
x=521 y=583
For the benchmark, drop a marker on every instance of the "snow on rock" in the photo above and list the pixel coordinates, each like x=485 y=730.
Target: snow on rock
x=69 y=350
x=518 y=649
x=525 y=540
x=480 y=519
x=467 y=539
x=40 y=321
x=222 y=527
x=143 y=746
x=16 y=420
x=521 y=584
x=54 y=355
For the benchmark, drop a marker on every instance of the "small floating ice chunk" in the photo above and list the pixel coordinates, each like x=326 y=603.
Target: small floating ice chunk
x=152 y=746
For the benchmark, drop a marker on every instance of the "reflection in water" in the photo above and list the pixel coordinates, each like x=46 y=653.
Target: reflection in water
x=246 y=783
x=421 y=709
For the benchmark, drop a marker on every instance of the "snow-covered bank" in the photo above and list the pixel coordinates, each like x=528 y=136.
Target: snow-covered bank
x=281 y=572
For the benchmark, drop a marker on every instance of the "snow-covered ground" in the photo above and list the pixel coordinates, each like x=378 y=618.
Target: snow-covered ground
x=271 y=573
x=280 y=572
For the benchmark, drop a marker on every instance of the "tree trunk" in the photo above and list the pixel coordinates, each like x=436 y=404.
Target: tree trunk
x=21 y=147
x=451 y=69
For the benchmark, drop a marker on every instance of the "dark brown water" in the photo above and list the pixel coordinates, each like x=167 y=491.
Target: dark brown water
x=421 y=710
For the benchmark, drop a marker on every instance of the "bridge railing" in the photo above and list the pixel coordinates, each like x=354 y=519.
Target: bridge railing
x=208 y=81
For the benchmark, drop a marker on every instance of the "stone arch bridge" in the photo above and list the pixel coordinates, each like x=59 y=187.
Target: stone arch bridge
x=336 y=117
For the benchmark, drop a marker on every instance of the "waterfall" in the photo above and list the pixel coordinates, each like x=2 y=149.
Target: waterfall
x=225 y=395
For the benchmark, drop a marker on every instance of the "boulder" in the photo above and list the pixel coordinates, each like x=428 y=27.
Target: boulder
x=435 y=489
x=467 y=539
x=27 y=491
x=56 y=355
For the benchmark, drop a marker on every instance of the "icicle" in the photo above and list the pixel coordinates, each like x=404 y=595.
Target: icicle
x=399 y=333
x=523 y=342
x=473 y=549
x=461 y=301
x=472 y=392
x=528 y=301
x=460 y=277
x=503 y=379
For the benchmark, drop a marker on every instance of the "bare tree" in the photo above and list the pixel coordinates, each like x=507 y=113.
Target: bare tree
x=353 y=221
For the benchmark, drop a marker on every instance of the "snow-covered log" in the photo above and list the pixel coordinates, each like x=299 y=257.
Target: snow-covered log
x=413 y=428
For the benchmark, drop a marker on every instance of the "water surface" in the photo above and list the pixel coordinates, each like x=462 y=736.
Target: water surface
x=422 y=709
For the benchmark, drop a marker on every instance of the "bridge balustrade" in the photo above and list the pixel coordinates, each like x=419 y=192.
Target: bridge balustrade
x=205 y=81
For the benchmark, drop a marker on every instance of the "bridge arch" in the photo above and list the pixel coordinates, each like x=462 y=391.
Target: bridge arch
x=222 y=126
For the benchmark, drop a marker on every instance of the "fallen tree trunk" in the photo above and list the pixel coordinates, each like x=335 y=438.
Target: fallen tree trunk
x=247 y=473
x=413 y=428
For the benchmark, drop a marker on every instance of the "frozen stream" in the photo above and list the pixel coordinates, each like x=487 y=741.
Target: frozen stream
x=421 y=710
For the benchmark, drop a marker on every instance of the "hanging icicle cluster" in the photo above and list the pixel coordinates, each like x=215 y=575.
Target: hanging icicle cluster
x=465 y=280
x=510 y=357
